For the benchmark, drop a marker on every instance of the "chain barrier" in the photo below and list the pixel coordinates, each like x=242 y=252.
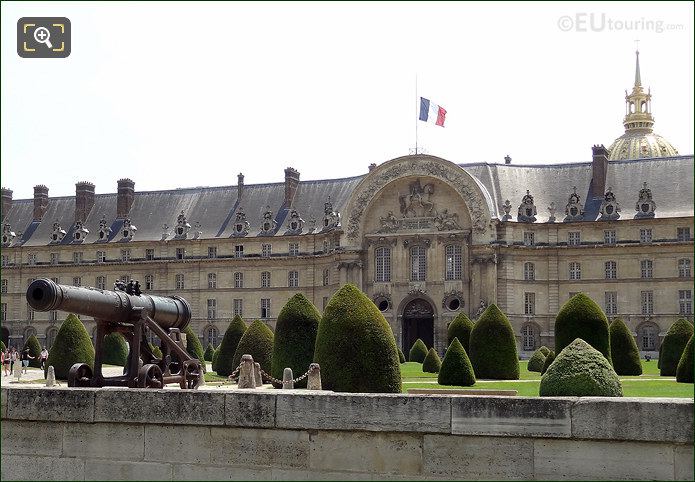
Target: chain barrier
x=268 y=377
x=234 y=374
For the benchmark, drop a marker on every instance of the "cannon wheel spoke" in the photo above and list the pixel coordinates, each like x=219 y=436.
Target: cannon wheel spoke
x=150 y=376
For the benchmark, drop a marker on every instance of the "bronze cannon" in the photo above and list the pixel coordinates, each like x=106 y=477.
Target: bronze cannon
x=129 y=312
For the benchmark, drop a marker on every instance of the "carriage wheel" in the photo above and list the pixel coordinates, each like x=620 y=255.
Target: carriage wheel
x=150 y=376
x=191 y=376
x=80 y=375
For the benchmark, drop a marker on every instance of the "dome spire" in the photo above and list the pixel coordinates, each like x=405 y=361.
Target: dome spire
x=638 y=79
x=638 y=105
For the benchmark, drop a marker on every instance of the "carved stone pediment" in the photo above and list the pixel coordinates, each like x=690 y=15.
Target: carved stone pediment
x=331 y=219
x=295 y=225
x=7 y=234
x=574 y=211
x=79 y=233
x=527 y=209
x=645 y=205
x=610 y=209
x=268 y=225
x=182 y=227
x=58 y=233
x=241 y=225
x=104 y=231
x=128 y=230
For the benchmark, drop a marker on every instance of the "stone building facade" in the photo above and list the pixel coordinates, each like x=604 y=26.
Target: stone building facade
x=424 y=237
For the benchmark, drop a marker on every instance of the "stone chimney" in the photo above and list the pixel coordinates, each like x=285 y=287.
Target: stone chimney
x=240 y=186
x=291 y=184
x=6 y=202
x=84 y=200
x=372 y=166
x=599 y=170
x=126 y=196
x=507 y=159
x=40 y=201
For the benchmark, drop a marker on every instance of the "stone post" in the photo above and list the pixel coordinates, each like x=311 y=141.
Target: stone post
x=18 y=369
x=287 y=379
x=314 y=380
x=51 y=377
x=247 y=377
x=257 y=373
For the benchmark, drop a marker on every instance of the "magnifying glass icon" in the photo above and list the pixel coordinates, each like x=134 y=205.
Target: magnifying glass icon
x=42 y=35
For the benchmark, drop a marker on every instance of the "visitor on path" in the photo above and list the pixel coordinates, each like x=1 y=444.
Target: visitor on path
x=44 y=357
x=26 y=356
x=13 y=359
x=5 y=360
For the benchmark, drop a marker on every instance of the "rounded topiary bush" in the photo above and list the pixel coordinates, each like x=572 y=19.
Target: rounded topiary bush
x=223 y=360
x=115 y=350
x=673 y=345
x=418 y=351
x=34 y=347
x=624 y=351
x=72 y=345
x=295 y=337
x=432 y=362
x=580 y=370
x=493 y=346
x=548 y=361
x=209 y=351
x=460 y=328
x=456 y=367
x=684 y=372
x=545 y=350
x=537 y=360
x=582 y=318
x=401 y=356
x=193 y=346
x=156 y=351
x=256 y=341
x=355 y=346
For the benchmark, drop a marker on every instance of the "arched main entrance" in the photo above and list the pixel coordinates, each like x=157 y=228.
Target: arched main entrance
x=418 y=322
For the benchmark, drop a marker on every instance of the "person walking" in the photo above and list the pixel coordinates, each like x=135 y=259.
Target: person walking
x=5 y=360
x=26 y=356
x=13 y=359
x=44 y=358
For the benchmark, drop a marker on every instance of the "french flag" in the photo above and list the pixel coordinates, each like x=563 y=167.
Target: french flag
x=430 y=112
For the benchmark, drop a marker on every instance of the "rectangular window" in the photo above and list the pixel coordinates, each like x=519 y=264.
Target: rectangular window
x=326 y=278
x=611 y=270
x=647 y=302
x=3 y=286
x=293 y=279
x=179 y=282
x=238 y=280
x=180 y=253
x=238 y=307
x=325 y=245
x=529 y=238
x=609 y=236
x=77 y=281
x=212 y=281
x=101 y=256
x=101 y=282
x=212 y=251
x=31 y=258
x=212 y=309
x=5 y=260
x=418 y=263
x=266 y=250
x=645 y=235
x=646 y=268
x=382 y=258
x=685 y=302
x=294 y=249
x=265 y=307
x=30 y=313
x=529 y=303
x=125 y=255
x=55 y=258
x=149 y=254
x=265 y=279
x=3 y=311
x=453 y=262
x=611 y=305
x=149 y=282
x=575 y=271
x=683 y=234
x=529 y=271
x=684 y=268
x=573 y=238
x=77 y=257
x=239 y=251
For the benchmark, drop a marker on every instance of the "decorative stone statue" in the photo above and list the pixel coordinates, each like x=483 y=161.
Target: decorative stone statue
x=389 y=224
x=7 y=234
x=104 y=230
x=331 y=219
x=444 y=221
x=507 y=206
x=552 y=210
x=182 y=227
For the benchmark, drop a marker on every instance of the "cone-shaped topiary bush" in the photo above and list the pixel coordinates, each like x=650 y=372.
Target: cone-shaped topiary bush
x=456 y=367
x=2 y=346
x=295 y=337
x=401 y=356
x=418 y=351
x=582 y=318
x=257 y=341
x=493 y=346
x=684 y=372
x=34 y=347
x=223 y=364
x=355 y=346
x=548 y=360
x=580 y=370
x=460 y=328
x=624 y=351
x=115 y=350
x=209 y=351
x=537 y=360
x=72 y=345
x=193 y=346
x=673 y=345
x=545 y=350
x=156 y=351
x=432 y=362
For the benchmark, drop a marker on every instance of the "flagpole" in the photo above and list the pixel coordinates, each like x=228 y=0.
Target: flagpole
x=417 y=104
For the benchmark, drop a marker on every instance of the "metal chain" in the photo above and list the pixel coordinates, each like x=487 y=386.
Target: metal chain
x=235 y=372
x=268 y=377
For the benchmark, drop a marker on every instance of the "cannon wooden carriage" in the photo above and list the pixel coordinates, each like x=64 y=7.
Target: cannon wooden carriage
x=129 y=312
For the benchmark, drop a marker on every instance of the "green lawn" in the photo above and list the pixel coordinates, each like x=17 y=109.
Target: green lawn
x=649 y=384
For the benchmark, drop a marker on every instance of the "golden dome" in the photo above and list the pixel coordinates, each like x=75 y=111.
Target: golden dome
x=639 y=140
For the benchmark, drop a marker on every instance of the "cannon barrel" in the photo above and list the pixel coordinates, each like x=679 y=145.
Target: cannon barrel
x=114 y=306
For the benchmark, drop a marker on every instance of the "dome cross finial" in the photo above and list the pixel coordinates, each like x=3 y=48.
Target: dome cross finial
x=638 y=77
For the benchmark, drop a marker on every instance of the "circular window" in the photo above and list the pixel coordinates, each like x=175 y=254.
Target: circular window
x=609 y=209
x=453 y=304
x=573 y=211
x=179 y=230
x=266 y=226
x=55 y=237
x=293 y=226
x=77 y=235
x=382 y=303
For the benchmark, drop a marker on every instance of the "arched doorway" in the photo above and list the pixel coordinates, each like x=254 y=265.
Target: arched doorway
x=418 y=322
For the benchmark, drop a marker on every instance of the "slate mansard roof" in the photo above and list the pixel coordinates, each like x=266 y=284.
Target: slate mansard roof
x=212 y=210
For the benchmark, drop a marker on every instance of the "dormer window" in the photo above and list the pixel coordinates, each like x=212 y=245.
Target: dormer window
x=7 y=234
x=182 y=226
x=241 y=225
x=58 y=233
x=128 y=230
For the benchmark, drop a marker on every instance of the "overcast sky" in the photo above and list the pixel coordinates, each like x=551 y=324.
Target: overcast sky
x=190 y=94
